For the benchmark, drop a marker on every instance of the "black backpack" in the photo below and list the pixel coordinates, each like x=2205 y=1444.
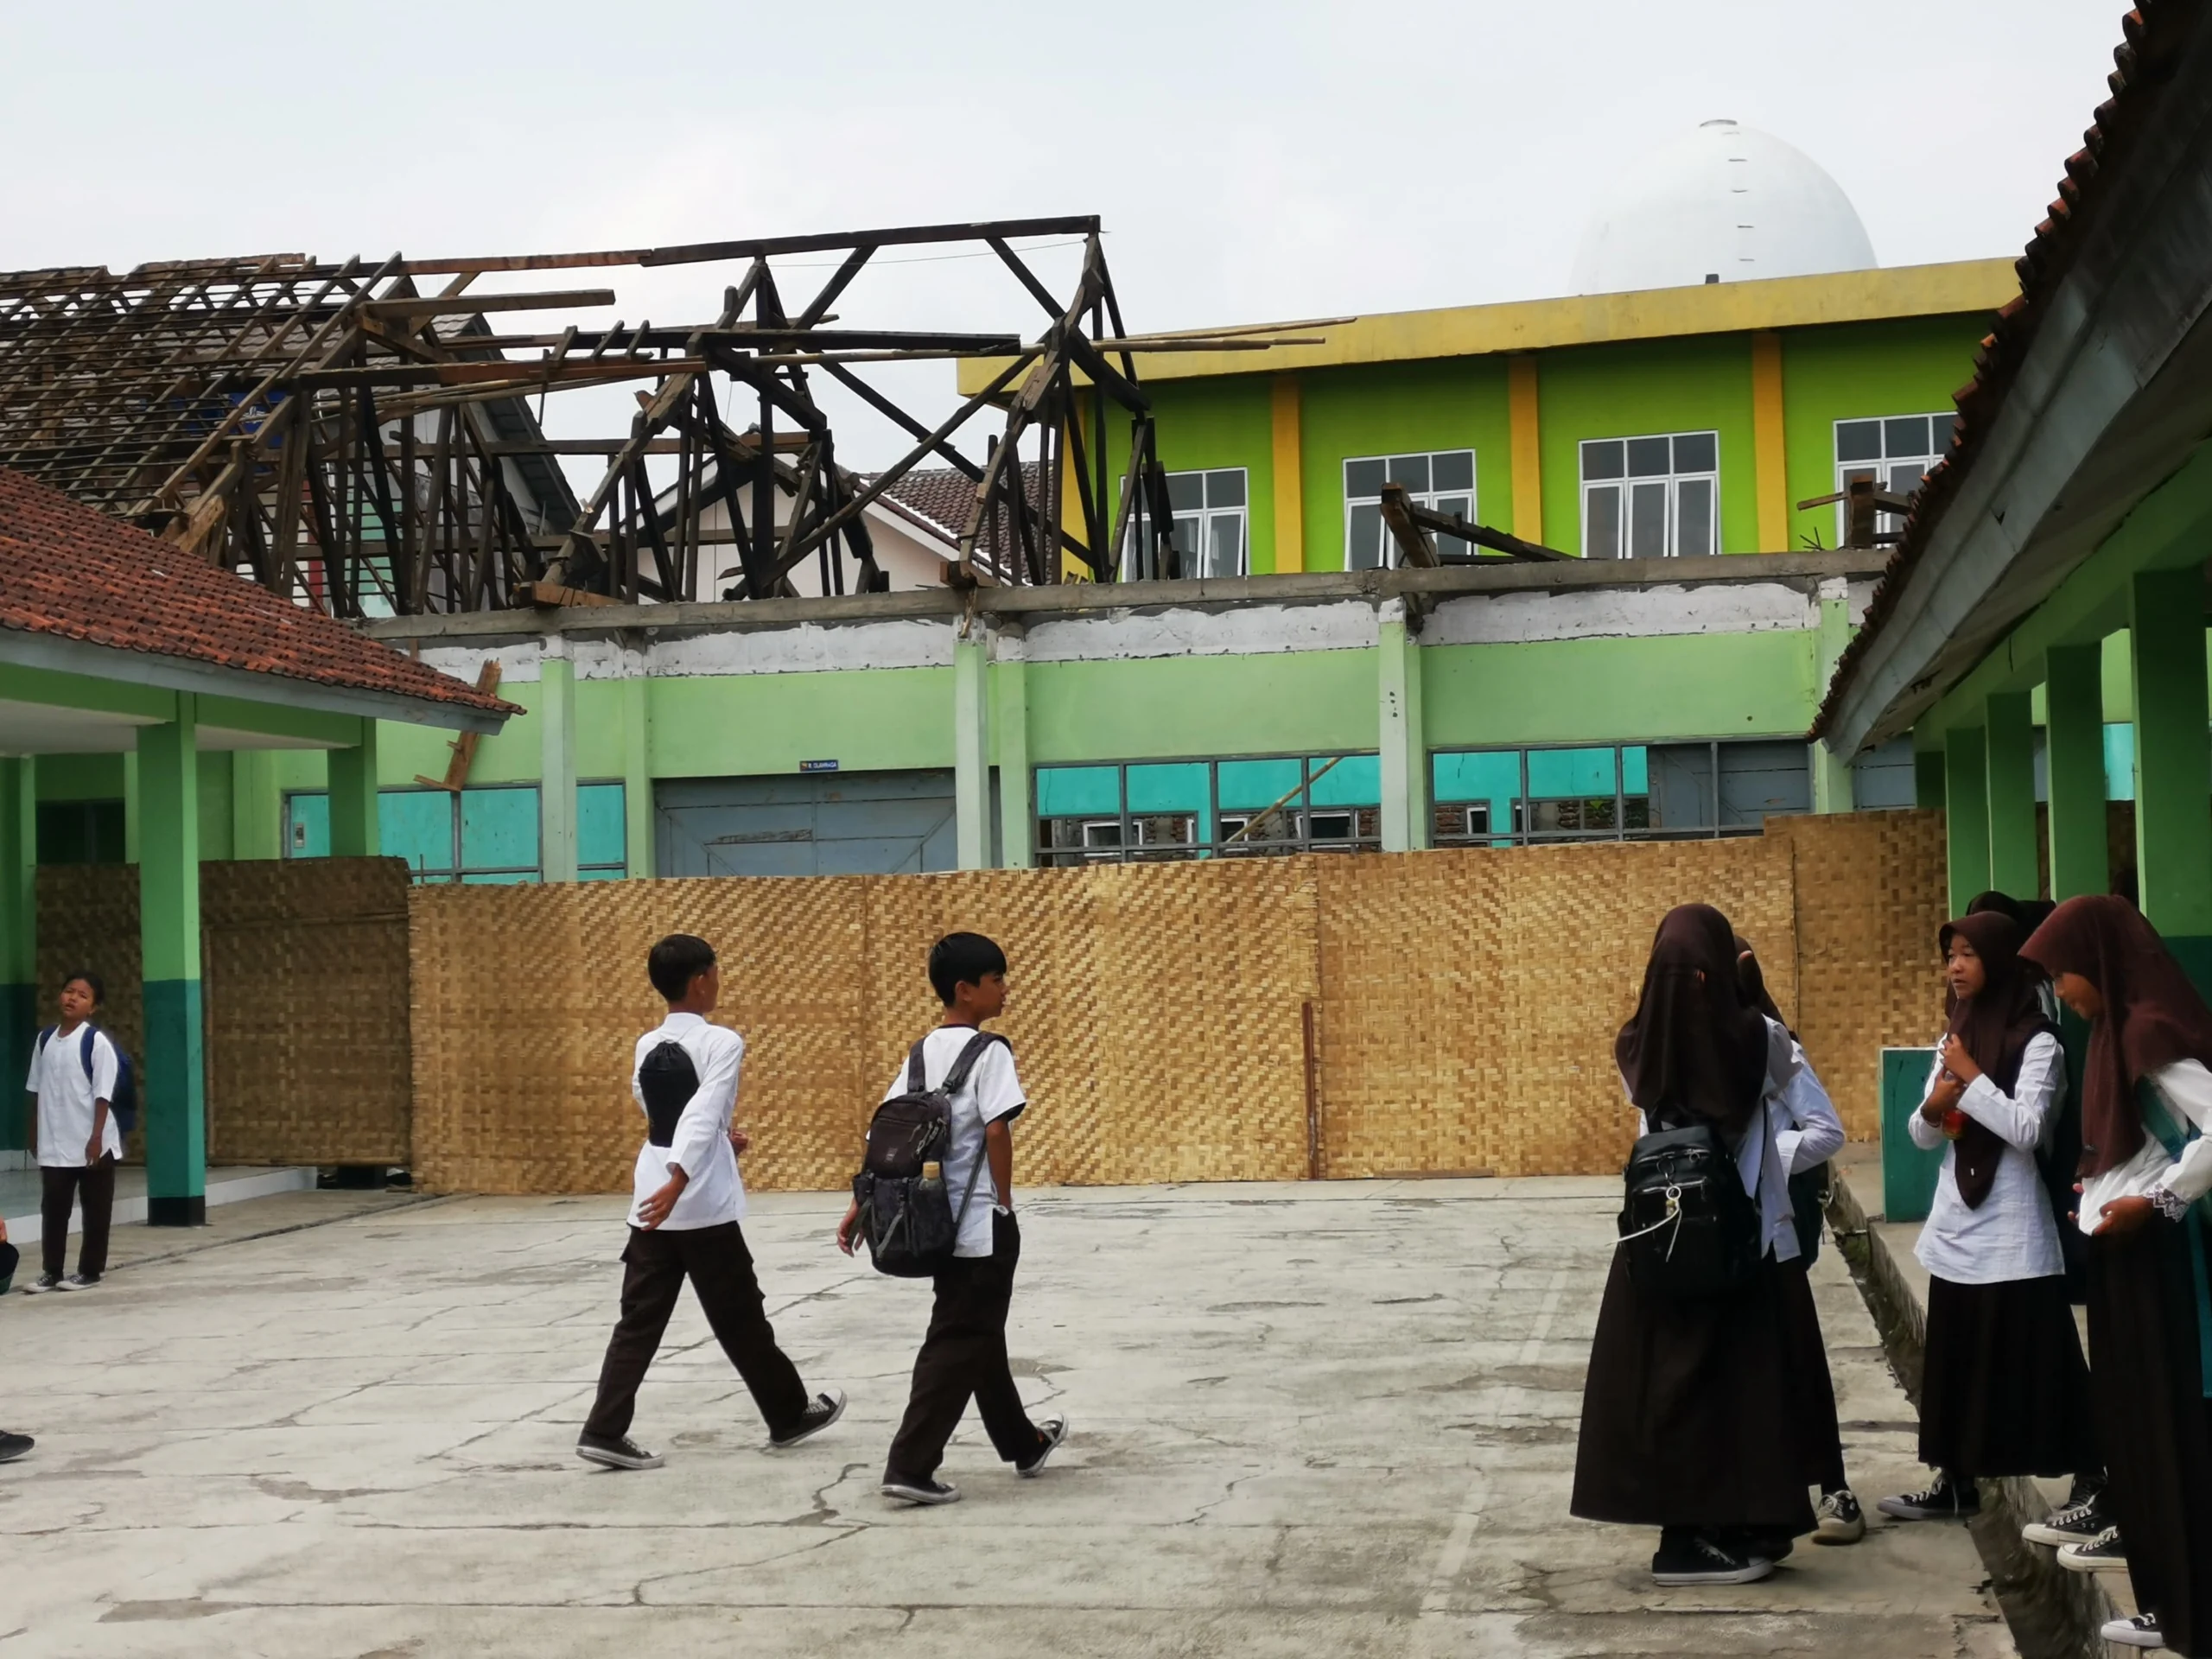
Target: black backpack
x=667 y=1079
x=906 y=1218
x=124 y=1103
x=1688 y=1226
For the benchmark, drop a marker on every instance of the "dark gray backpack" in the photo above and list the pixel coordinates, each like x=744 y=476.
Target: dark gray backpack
x=907 y=1217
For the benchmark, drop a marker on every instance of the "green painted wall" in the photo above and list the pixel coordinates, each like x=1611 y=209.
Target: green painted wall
x=1909 y=367
x=866 y=720
x=1303 y=702
x=1636 y=389
x=1206 y=423
x=80 y=777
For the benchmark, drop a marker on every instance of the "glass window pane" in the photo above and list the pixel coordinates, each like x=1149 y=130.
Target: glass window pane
x=1226 y=488
x=1905 y=478
x=1412 y=471
x=1078 y=791
x=1693 y=516
x=1364 y=535
x=499 y=879
x=1102 y=835
x=599 y=830
x=1186 y=492
x=1185 y=535
x=1364 y=478
x=1462 y=505
x=1452 y=470
x=417 y=824
x=1647 y=531
x=1697 y=452
x=1493 y=774
x=608 y=874
x=1570 y=772
x=1648 y=457
x=1858 y=441
x=1941 y=427
x=1168 y=789
x=1601 y=538
x=1246 y=785
x=308 y=834
x=1356 y=781
x=1225 y=544
x=1602 y=459
x=1907 y=436
x=1634 y=771
x=499 y=829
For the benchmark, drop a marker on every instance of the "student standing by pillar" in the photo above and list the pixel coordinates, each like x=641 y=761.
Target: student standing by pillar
x=73 y=1077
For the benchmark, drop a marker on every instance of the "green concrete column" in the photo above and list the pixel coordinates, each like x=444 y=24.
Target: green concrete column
x=1831 y=772
x=172 y=1080
x=557 y=769
x=2011 y=770
x=354 y=831
x=1927 y=767
x=131 y=807
x=971 y=773
x=18 y=943
x=2074 y=756
x=1965 y=813
x=257 y=805
x=1402 y=741
x=1010 y=739
x=637 y=770
x=2173 y=755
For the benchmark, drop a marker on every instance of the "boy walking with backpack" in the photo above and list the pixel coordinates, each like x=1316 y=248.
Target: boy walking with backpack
x=77 y=1074
x=964 y=1353
x=683 y=1221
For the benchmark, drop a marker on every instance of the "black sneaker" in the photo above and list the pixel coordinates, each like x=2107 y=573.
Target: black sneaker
x=14 y=1446
x=1839 y=1520
x=79 y=1282
x=2086 y=1489
x=44 y=1283
x=2077 y=1523
x=824 y=1410
x=616 y=1451
x=2140 y=1632
x=919 y=1491
x=2103 y=1554
x=1942 y=1501
x=1692 y=1558
x=1049 y=1438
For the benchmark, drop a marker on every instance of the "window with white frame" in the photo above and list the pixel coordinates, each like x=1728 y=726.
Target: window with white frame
x=1212 y=525
x=1897 y=452
x=1651 y=497
x=1442 y=481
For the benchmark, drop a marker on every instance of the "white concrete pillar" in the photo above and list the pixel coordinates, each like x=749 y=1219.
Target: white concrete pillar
x=1832 y=778
x=971 y=771
x=1403 y=747
x=556 y=774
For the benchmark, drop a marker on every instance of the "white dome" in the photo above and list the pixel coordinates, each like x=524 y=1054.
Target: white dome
x=1721 y=203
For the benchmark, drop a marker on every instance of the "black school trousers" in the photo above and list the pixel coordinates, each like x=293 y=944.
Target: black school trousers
x=964 y=1356
x=62 y=1186
x=720 y=1268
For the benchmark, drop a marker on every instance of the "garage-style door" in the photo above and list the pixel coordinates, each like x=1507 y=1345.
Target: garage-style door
x=834 y=823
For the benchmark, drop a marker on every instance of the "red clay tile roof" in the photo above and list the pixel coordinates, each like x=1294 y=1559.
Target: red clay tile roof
x=2158 y=33
x=74 y=572
x=944 y=496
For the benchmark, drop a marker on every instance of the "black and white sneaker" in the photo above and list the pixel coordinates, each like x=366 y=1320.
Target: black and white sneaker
x=1942 y=1501
x=14 y=1446
x=79 y=1281
x=1055 y=1430
x=2077 y=1523
x=44 y=1283
x=1692 y=1558
x=824 y=1409
x=919 y=1491
x=1838 y=1518
x=2103 y=1554
x=616 y=1451
x=2140 y=1632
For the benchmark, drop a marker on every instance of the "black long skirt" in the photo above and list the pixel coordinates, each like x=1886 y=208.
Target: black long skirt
x=2004 y=1389
x=1820 y=1437
x=1690 y=1411
x=2150 y=1398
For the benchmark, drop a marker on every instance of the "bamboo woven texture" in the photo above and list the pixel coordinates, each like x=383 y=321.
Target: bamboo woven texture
x=88 y=917
x=1871 y=900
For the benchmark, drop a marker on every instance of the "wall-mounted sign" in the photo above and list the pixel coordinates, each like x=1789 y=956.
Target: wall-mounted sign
x=818 y=765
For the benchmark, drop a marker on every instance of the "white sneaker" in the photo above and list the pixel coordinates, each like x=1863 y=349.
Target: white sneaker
x=2140 y=1632
x=1841 y=1519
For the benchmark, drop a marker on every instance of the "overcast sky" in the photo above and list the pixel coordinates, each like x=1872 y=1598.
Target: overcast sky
x=1250 y=162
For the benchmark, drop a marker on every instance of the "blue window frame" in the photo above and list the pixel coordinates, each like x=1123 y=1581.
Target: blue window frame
x=481 y=836
x=1146 y=811
x=1658 y=792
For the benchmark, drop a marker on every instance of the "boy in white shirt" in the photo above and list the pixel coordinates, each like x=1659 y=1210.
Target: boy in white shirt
x=73 y=1070
x=688 y=1200
x=964 y=1352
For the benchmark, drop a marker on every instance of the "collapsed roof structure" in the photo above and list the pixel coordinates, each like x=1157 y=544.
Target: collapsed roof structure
x=362 y=438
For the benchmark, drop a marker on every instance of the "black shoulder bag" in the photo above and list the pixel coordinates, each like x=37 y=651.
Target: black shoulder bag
x=1688 y=1226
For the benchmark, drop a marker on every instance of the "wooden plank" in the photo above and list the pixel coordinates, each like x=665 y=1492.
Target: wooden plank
x=457 y=305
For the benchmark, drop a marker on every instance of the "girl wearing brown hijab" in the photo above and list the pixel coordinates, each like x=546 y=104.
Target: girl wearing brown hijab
x=1688 y=1412
x=2146 y=1162
x=2004 y=1389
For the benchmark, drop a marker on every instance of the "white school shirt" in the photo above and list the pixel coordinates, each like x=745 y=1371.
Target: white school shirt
x=991 y=1094
x=1762 y=1163
x=2012 y=1234
x=2186 y=1087
x=66 y=1097
x=715 y=1193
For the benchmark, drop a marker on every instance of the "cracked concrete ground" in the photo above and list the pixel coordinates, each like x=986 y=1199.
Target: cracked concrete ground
x=1323 y=1419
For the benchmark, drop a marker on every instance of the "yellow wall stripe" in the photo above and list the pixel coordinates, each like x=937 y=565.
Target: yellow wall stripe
x=1289 y=476
x=1523 y=405
x=1769 y=458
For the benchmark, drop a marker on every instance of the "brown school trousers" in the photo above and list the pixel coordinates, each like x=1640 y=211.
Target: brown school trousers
x=61 y=1186
x=964 y=1354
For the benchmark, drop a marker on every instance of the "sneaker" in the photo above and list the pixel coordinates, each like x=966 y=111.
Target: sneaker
x=44 y=1283
x=79 y=1282
x=919 y=1491
x=616 y=1451
x=2086 y=1489
x=824 y=1410
x=1054 y=1431
x=1942 y=1501
x=2077 y=1523
x=2140 y=1632
x=1696 y=1558
x=1841 y=1519
x=2103 y=1554
x=14 y=1446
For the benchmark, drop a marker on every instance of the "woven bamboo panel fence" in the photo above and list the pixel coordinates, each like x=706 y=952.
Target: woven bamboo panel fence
x=88 y=917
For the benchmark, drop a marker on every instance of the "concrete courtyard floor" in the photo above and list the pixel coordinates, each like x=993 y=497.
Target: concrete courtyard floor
x=1333 y=1419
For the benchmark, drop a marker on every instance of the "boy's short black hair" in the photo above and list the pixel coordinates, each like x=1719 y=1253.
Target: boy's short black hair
x=676 y=962
x=92 y=980
x=963 y=959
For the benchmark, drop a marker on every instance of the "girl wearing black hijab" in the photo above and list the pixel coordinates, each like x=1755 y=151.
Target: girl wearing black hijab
x=2004 y=1389
x=2147 y=1166
x=1687 y=1413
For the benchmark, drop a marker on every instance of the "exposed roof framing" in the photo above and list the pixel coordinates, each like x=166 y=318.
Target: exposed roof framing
x=362 y=436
